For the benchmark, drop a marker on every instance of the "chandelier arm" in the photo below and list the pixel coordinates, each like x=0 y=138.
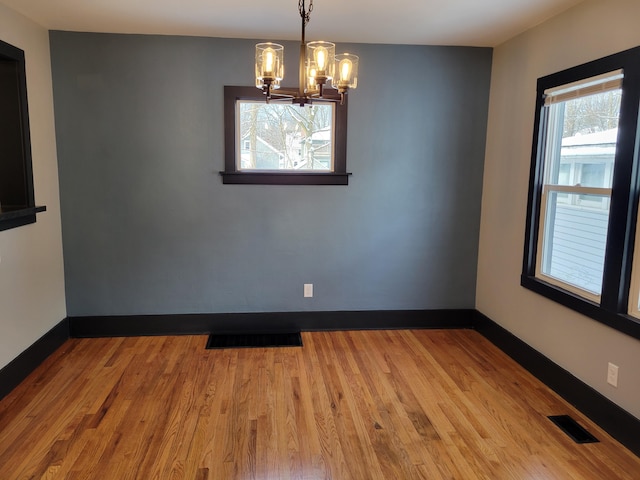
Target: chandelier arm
x=302 y=74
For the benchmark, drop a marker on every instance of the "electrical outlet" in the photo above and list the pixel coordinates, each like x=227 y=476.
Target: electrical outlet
x=308 y=290
x=612 y=375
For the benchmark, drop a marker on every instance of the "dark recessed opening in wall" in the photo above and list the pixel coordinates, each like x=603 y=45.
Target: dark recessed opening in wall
x=17 y=204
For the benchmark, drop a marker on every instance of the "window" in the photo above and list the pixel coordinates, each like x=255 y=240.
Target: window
x=583 y=191
x=578 y=157
x=284 y=137
x=283 y=143
x=17 y=205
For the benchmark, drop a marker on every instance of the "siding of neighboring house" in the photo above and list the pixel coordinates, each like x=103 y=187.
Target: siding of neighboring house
x=267 y=157
x=579 y=237
x=577 y=229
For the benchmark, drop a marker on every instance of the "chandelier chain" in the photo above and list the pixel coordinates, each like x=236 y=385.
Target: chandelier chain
x=305 y=13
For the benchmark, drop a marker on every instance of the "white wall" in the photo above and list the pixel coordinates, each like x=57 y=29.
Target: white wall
x=591 y=30
x=32 y=298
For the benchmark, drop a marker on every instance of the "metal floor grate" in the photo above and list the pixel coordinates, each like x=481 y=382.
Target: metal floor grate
x=569 y=426
x=254 y=340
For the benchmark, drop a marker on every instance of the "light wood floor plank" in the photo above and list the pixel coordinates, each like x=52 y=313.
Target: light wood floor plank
x=362 y=405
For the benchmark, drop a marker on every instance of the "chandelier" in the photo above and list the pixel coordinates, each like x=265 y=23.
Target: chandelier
x=319 y=67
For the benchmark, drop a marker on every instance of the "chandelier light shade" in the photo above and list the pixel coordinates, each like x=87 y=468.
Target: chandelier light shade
x=323 y=56
x=312 y=84
x=319 y=67
x=269 y=64
x=347 y=72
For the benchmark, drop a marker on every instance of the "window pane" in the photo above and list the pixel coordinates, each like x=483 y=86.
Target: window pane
x=285 y=137
x=581 y=140
x=575 y=238
x=579 y=152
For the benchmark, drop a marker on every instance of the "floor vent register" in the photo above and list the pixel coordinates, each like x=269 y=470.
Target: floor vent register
x=254 y=340
x=569 y=426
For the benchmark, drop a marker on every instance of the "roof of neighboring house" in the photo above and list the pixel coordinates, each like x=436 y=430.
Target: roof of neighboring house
x=322 y=135
x=591 y=144
x=606 y=136
x=265 y=143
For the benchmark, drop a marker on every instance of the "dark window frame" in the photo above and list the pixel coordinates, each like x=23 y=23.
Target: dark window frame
x=17 y=201
x=612 y=309
x=231 y=174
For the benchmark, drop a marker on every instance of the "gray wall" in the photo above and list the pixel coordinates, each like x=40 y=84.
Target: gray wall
x=148 y=226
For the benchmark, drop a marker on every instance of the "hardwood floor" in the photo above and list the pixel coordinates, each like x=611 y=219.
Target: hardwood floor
x=405 y=404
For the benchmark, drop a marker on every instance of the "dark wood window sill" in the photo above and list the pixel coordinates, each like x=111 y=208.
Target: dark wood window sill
x=11 y=217
x=281 y=178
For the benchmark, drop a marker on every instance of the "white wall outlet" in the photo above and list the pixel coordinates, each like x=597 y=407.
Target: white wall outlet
x=612 y=375
x=308 y=290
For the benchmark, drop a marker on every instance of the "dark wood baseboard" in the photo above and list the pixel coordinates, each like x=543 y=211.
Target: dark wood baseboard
x=25 y=363
x=267 y=322
x=616 y=421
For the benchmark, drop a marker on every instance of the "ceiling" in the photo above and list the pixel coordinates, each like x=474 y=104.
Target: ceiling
x=420 y=22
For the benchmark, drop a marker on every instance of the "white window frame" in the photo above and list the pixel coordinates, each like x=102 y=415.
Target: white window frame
x=241 y=142
x=602 y=83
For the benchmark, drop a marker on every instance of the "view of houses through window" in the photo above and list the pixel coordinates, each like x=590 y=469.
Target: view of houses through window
x=278 y=136
x=579 y=152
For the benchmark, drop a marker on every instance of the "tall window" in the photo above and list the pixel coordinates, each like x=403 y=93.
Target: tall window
x=578 y=155
x=583 y=190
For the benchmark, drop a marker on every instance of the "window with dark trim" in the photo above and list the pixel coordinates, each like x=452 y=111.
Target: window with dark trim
x=17 y=204
x=584 y=189
x=294 y=155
